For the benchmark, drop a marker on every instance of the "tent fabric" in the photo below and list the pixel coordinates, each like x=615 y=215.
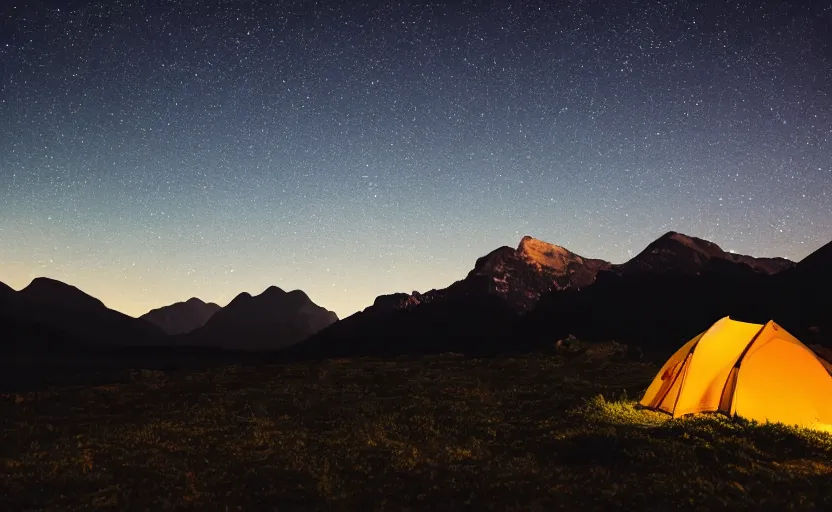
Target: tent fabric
x=759 y=372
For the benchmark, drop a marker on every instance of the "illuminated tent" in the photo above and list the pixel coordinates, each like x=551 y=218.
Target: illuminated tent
x=759 y=372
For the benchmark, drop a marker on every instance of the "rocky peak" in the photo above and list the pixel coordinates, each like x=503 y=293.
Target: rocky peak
x=542 y=254
x=519 y=275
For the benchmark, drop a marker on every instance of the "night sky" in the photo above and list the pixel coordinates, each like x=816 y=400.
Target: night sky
x=153 y=151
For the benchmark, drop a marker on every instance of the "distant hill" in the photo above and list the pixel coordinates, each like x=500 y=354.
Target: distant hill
x=272 y=320
x=51 y=313
x=182 y=317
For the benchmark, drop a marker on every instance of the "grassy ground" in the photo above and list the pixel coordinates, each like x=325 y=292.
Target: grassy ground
x=537 y=432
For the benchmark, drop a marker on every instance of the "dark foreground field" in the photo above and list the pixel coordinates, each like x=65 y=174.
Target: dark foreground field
x=433 y=433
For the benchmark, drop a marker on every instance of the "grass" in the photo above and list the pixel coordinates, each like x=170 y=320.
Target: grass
x=537 y=432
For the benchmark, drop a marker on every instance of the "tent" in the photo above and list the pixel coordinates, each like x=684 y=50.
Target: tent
x=759 y=372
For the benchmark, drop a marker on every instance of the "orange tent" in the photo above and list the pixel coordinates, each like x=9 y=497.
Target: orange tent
x=759 y=372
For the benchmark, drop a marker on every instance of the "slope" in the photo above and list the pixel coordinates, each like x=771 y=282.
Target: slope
x=68 y=309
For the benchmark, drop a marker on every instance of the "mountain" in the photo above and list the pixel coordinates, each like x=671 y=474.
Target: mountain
x=804 y=293
x=50 y=313
x=6 y=291
x=17 y=330
x=678 y=253
x=513 y=298
x=470 y=315
x=272 y=320
x=478 y=324
x=181 y=317
x=81 y=315
x=50 y=293
x=815 y=267
x=518 y=276
x=667 y=293
x=536 y=267
x=8 y=300
x=521 y=276
x=654 y=310
x=539 y=292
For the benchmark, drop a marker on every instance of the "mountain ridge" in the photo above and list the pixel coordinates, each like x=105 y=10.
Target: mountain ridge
x=509 y=284
x=272 y=320
x=536 y=289
x=665 y=252
x=47 y=311
x=519 y=275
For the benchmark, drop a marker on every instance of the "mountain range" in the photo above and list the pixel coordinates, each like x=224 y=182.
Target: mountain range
x=273 y=320
x=524 y=297
x=512 y=299
x=49 y=315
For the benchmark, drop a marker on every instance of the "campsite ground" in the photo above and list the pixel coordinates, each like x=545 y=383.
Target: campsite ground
x=439 y=433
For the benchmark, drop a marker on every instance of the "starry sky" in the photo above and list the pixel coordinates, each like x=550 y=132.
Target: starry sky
x=157 y=150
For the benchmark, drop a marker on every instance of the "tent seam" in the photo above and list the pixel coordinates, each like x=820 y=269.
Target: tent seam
x=737 y=365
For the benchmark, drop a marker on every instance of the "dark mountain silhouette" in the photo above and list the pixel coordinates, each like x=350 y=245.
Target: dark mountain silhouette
x=83 y=316
x=677 y=253
x=653 y=310
x=478 y=324
x=805 y=296
x=661 y=309
x=24 y=335
x=471 y=315
x=814 y=267
x=519 y=276
x=513 y=299
x=19 y=331
x=49 y=313
x=272 y=320
x=46 y=292
x=182 y=317
x=667 y=293
x=6 y=292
